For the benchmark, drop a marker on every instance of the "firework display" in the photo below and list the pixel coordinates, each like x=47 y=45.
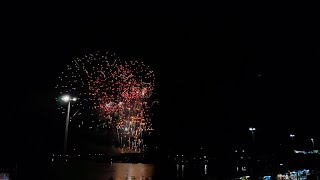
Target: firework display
x=115 y=92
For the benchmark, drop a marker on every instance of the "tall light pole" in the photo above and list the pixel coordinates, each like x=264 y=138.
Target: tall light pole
x=68 y=99
x=292 y=136
x=252 y=129
x=312 y=143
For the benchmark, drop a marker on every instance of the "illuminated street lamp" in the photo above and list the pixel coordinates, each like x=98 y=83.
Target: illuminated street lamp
x=312 y=143
x=252 y=129
x=292 y=136
x=68 y=99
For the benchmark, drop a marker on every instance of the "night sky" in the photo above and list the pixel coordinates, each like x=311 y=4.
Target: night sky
x=218 y=70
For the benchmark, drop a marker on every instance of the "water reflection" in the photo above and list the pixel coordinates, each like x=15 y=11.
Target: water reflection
x=180 y=171
x=102 y=171
x=131 y=171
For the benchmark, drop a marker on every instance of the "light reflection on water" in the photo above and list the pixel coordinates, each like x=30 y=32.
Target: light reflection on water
x=129 y=170
x=183 y=171
x=102 y=171
x=180 y=171
x=205 y=169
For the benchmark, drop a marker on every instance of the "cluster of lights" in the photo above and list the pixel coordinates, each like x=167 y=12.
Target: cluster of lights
x=117 y=93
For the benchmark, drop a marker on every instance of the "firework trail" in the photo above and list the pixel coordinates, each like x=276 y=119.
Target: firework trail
x=115 y=92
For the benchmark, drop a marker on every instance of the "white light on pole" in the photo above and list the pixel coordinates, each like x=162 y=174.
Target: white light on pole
x=68 y=99
x=312 y=143
x=252 y=129
x=292 y=136
x=65 y=98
